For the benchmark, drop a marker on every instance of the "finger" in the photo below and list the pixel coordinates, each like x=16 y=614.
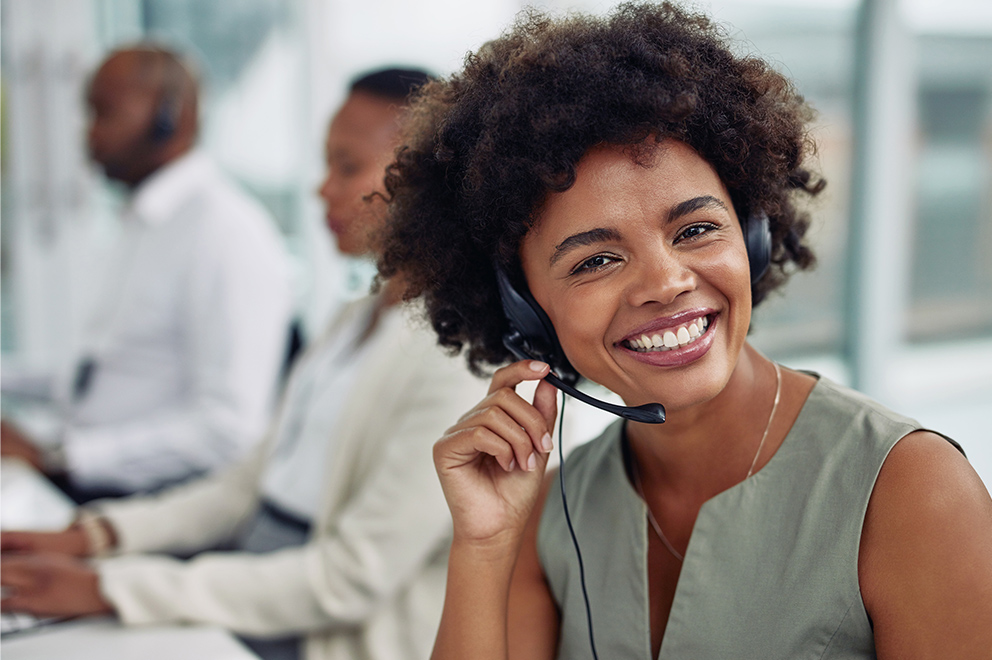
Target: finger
x=10 y=541
x=28 y=603
x=16 y=542
x=546 y=404
x=464 y=446
x=537 y=418
x=9 y=603
x=15 y=601
x=517 y=412
x=518 y=372
x=17 y=575
x=521 y=411
x=519 y=424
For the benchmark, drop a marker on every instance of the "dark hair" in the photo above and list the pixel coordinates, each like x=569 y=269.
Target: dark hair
x=395 y=84
x=485 y=147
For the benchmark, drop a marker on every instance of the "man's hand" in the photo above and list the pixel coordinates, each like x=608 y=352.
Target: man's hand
x=51 y=585
x=71 y=541
x=14 y=444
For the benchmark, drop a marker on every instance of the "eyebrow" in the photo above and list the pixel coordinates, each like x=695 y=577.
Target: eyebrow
x=590 y=237
x=692 y=205
x=601 y=234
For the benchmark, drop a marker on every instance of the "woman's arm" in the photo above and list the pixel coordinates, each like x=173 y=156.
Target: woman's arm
x=925 y=565
x=491 y=465
x=533 y=615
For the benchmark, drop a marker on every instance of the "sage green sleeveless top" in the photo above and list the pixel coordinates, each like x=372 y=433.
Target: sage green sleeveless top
x=771 y=570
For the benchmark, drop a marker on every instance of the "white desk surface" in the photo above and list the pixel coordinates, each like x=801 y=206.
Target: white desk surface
x=28 y=501
x=105 y=639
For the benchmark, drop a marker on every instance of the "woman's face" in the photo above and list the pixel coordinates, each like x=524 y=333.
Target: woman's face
x=634 y=254
x=360 y=144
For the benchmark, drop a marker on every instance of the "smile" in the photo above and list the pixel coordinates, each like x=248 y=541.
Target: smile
x=670 y=339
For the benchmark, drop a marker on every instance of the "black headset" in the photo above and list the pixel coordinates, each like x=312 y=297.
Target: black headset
x=166 y=118
x=532 y=336
x=165 y=121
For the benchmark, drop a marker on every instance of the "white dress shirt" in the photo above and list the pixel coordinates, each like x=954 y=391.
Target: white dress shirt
x=187 y=337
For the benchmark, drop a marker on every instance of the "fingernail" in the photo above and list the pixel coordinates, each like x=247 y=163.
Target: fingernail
x=546 y=442
x=532 y=462
x=513 y=464
x=536 y=365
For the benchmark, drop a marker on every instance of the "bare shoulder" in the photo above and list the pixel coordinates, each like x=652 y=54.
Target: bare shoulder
x=925 y=565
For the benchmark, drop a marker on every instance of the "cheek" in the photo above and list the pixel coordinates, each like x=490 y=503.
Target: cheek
x=359 y=188
x=581 y=319
x=727 y=267
x=730 y=276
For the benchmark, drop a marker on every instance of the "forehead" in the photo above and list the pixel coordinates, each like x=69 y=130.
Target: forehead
x=615 y=184
x=122 y=74
x=365 y=122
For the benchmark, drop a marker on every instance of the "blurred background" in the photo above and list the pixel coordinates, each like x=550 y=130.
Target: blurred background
x=900 y=305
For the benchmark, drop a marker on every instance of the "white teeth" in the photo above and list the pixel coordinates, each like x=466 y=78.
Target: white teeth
x=670 y=339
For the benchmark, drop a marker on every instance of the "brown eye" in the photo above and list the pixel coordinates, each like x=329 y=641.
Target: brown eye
x=694 y=231
x=594 y=263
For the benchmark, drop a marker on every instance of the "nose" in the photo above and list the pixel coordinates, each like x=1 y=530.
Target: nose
x=326 y=188
x=659 y=277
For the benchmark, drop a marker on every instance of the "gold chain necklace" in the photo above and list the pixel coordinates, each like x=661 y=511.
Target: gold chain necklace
x=754 y=462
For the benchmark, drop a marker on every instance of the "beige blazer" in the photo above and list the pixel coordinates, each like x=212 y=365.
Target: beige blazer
x=370 y=582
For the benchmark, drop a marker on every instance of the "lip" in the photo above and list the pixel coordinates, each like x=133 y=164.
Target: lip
x=334 y=224
x=677 y=356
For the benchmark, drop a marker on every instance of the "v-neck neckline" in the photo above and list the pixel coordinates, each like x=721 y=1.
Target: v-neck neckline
x=621 y=453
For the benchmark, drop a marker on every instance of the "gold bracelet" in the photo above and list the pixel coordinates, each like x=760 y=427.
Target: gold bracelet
x=95 y=530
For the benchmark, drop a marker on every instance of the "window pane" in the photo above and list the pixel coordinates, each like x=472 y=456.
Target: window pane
x=951 y=277
x=812 y=44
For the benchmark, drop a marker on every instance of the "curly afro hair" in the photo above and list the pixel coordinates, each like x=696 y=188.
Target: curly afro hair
x=485 y=147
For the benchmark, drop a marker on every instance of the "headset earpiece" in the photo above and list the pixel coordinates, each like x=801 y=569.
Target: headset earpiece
x=166 y=119
x=758 y=239
x=531 y=336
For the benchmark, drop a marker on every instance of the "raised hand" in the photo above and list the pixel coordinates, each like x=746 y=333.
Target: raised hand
x=492 y=461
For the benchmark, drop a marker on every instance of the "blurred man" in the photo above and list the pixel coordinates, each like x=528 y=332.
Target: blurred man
x=340 y=527
x=181 y=356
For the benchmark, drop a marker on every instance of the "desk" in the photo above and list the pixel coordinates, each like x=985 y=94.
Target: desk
x=29 y=501
x=105 y=639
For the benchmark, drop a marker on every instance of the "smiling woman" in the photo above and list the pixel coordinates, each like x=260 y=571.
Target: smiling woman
x=641 y=185
x=628 y=234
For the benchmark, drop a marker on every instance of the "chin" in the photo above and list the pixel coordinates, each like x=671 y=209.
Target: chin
x=345 y=246
x=681 y=388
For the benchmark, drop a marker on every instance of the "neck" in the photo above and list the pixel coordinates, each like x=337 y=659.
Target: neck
x=168 y=153
x=703 y=450
x=392 y=291
x=390 y=294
